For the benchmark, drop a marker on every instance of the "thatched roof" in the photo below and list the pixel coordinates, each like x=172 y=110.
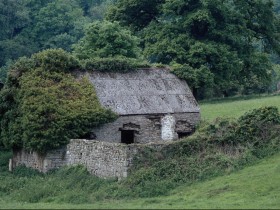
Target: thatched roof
x=145 y=91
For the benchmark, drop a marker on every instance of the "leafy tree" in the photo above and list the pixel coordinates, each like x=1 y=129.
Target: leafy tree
x=14 y=16
x=106 y=39
x=136 y=14
x=224 y=39
x=55 y=24
x=42 y=106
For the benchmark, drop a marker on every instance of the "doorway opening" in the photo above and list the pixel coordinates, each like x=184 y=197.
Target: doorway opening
x=183 y=134
x=127 y=136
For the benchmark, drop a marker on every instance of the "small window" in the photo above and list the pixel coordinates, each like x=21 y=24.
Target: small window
x=183 y=134
x=127 y=136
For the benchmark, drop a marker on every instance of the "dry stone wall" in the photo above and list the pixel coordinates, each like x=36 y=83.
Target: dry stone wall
x=103 y=159
x=52 y=160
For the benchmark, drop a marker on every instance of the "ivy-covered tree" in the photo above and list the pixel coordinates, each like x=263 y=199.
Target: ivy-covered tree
x=42 y=105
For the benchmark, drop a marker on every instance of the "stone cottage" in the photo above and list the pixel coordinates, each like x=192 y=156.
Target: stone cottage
x=154 y=107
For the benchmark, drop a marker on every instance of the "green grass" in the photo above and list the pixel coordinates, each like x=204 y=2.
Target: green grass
x=255 y=187
x=235 y=107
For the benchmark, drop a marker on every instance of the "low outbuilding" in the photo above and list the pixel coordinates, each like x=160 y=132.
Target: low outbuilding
x=153 y=105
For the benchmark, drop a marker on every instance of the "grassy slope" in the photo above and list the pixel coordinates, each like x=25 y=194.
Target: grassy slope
x=235 y=108
x=254 y=187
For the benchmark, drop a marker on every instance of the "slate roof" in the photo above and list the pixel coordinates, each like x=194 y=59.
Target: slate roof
x=145 y=91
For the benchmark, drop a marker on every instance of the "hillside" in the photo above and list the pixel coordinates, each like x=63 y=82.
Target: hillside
x=235 y=107
x=255 y=187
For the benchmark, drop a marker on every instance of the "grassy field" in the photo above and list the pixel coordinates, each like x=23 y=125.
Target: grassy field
x=255 y=187
x=235 y=107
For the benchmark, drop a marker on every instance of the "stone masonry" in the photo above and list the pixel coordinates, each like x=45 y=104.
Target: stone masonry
x=148 y=128
x=103 y=159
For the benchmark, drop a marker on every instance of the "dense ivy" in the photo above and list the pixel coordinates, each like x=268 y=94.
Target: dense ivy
x=42 y=105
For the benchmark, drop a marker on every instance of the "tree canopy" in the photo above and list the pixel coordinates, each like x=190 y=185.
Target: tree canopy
x=107 y=39
x=30 y=26
x=225 y=41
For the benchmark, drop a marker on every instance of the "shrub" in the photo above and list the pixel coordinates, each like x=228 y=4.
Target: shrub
x=255 y=126
x=55 y=60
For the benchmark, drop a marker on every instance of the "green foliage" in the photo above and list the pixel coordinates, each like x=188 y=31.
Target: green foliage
x=134 y=13
x=4 y=71
x=43 y=106
x=107 y=39
x=56 y=60
x=256 y=126
x=4 y=160
x=56 y=22
x=275 y=77
x=195 y=77
x=117 y=64
x=14 y=16
x=30 y=26
x=225 y=40
x=23 y=171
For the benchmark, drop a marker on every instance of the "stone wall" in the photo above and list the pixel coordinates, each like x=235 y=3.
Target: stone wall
x=148 y=128
x=53 y=159
x=103 y=159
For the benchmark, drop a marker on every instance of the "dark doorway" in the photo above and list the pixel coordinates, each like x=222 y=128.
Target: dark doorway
x=183 y=134
x=127 y=136
x=88 y=136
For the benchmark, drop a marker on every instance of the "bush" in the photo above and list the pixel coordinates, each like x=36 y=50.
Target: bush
x=55 y=60
x=256 y=126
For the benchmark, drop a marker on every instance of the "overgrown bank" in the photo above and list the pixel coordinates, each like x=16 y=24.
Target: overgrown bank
x=216 y=149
